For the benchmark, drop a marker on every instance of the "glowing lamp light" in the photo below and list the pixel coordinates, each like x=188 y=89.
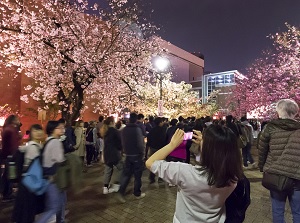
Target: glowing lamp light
x=2 y=120
x=116 y=116
x=127 y=115
x=161 y=63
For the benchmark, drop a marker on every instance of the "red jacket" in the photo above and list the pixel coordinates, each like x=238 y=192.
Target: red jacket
x=11 y=140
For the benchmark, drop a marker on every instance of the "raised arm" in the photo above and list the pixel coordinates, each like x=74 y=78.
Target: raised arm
x=162 y=153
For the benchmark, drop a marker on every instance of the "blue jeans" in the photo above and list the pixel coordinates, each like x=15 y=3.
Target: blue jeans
x=278 y=205
x=133 y=166
x=55 y=204
x=246 y=152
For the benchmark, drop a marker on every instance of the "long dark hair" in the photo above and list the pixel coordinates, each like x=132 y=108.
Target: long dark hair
x=105 y=125
x=220 y=158
x=10 y=120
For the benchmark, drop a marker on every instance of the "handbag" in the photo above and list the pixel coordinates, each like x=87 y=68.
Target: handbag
x=276 y=182
x=241 y=141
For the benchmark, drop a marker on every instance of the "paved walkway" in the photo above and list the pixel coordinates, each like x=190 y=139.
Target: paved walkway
x=158 y=205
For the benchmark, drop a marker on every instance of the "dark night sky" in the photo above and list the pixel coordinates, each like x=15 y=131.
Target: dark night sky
x=230 y=33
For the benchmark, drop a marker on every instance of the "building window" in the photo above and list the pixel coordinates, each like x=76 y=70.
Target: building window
x=217 y=80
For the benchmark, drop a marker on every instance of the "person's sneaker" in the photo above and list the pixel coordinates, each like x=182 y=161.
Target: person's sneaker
x=160 y=180
x=151 y=181
x=172 y=185
x=141 y=196
x=115 y=187
x=52 y=219
x=8 y=199
x=107 y=190
x=254 y=165
x=89 y=165
x=121 y=198
x=246 y=167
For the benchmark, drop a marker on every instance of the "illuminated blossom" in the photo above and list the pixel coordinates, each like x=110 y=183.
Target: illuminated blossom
x=75 y=55
x=178 y=99
x=271 y=78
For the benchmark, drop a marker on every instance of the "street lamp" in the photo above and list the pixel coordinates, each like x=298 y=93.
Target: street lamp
x=161 y=64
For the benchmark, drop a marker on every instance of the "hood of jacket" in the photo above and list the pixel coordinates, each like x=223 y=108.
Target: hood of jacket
x=286 y=124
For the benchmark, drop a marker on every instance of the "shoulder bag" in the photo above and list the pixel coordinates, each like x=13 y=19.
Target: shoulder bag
x=276 y=182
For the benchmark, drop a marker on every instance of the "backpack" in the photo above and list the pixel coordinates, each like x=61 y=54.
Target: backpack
x=33 y=179
x=89 y=135
x=246 y=132
x=238 y=202
x=70 y=140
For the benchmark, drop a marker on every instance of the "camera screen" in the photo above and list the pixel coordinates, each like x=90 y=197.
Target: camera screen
x=188 y=136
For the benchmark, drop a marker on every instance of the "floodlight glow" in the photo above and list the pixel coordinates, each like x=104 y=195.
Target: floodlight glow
x=161 y=63
x=2 y=120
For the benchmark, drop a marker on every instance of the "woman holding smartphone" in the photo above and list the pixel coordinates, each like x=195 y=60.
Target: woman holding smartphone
x=202 y=190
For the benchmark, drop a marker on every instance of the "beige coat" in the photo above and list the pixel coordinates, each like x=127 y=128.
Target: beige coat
x=80 y=142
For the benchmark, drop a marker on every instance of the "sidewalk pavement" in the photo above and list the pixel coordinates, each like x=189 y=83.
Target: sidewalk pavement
x=158 y=206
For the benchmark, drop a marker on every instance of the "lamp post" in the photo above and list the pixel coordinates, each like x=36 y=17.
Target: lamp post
x=161 y=64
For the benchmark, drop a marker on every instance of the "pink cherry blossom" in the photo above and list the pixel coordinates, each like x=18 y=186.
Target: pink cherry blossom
x=272 y=77
x=76 y=57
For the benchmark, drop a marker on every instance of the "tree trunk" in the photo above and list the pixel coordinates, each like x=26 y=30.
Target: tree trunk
x=72 y=104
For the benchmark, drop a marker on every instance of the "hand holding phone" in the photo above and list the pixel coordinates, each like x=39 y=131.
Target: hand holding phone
x=197 y=137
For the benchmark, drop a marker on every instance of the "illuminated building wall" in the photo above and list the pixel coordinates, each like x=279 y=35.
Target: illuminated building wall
x=222 y=81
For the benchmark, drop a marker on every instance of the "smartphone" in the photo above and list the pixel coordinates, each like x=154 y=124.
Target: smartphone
x=188 y=136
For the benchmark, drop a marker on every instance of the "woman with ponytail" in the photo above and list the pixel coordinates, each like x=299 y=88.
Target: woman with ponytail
x=112 y=154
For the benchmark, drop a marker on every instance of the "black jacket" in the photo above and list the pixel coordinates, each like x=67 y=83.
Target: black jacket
x=133 y=140
x=157 y=138
x=233 y=128
x=238 y=202
x=112 y=147
x=170 y=132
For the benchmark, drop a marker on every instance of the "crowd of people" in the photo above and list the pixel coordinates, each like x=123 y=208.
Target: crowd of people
x=210 y=191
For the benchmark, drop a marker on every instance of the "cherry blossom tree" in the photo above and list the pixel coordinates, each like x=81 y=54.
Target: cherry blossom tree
x=178 y=99
x=271 y=78
x=77 y=53
x=5 y=111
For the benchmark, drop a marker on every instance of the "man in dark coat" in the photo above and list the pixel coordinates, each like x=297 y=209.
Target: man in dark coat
x=11 y=139
x=156 y=140
x=133 y=146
